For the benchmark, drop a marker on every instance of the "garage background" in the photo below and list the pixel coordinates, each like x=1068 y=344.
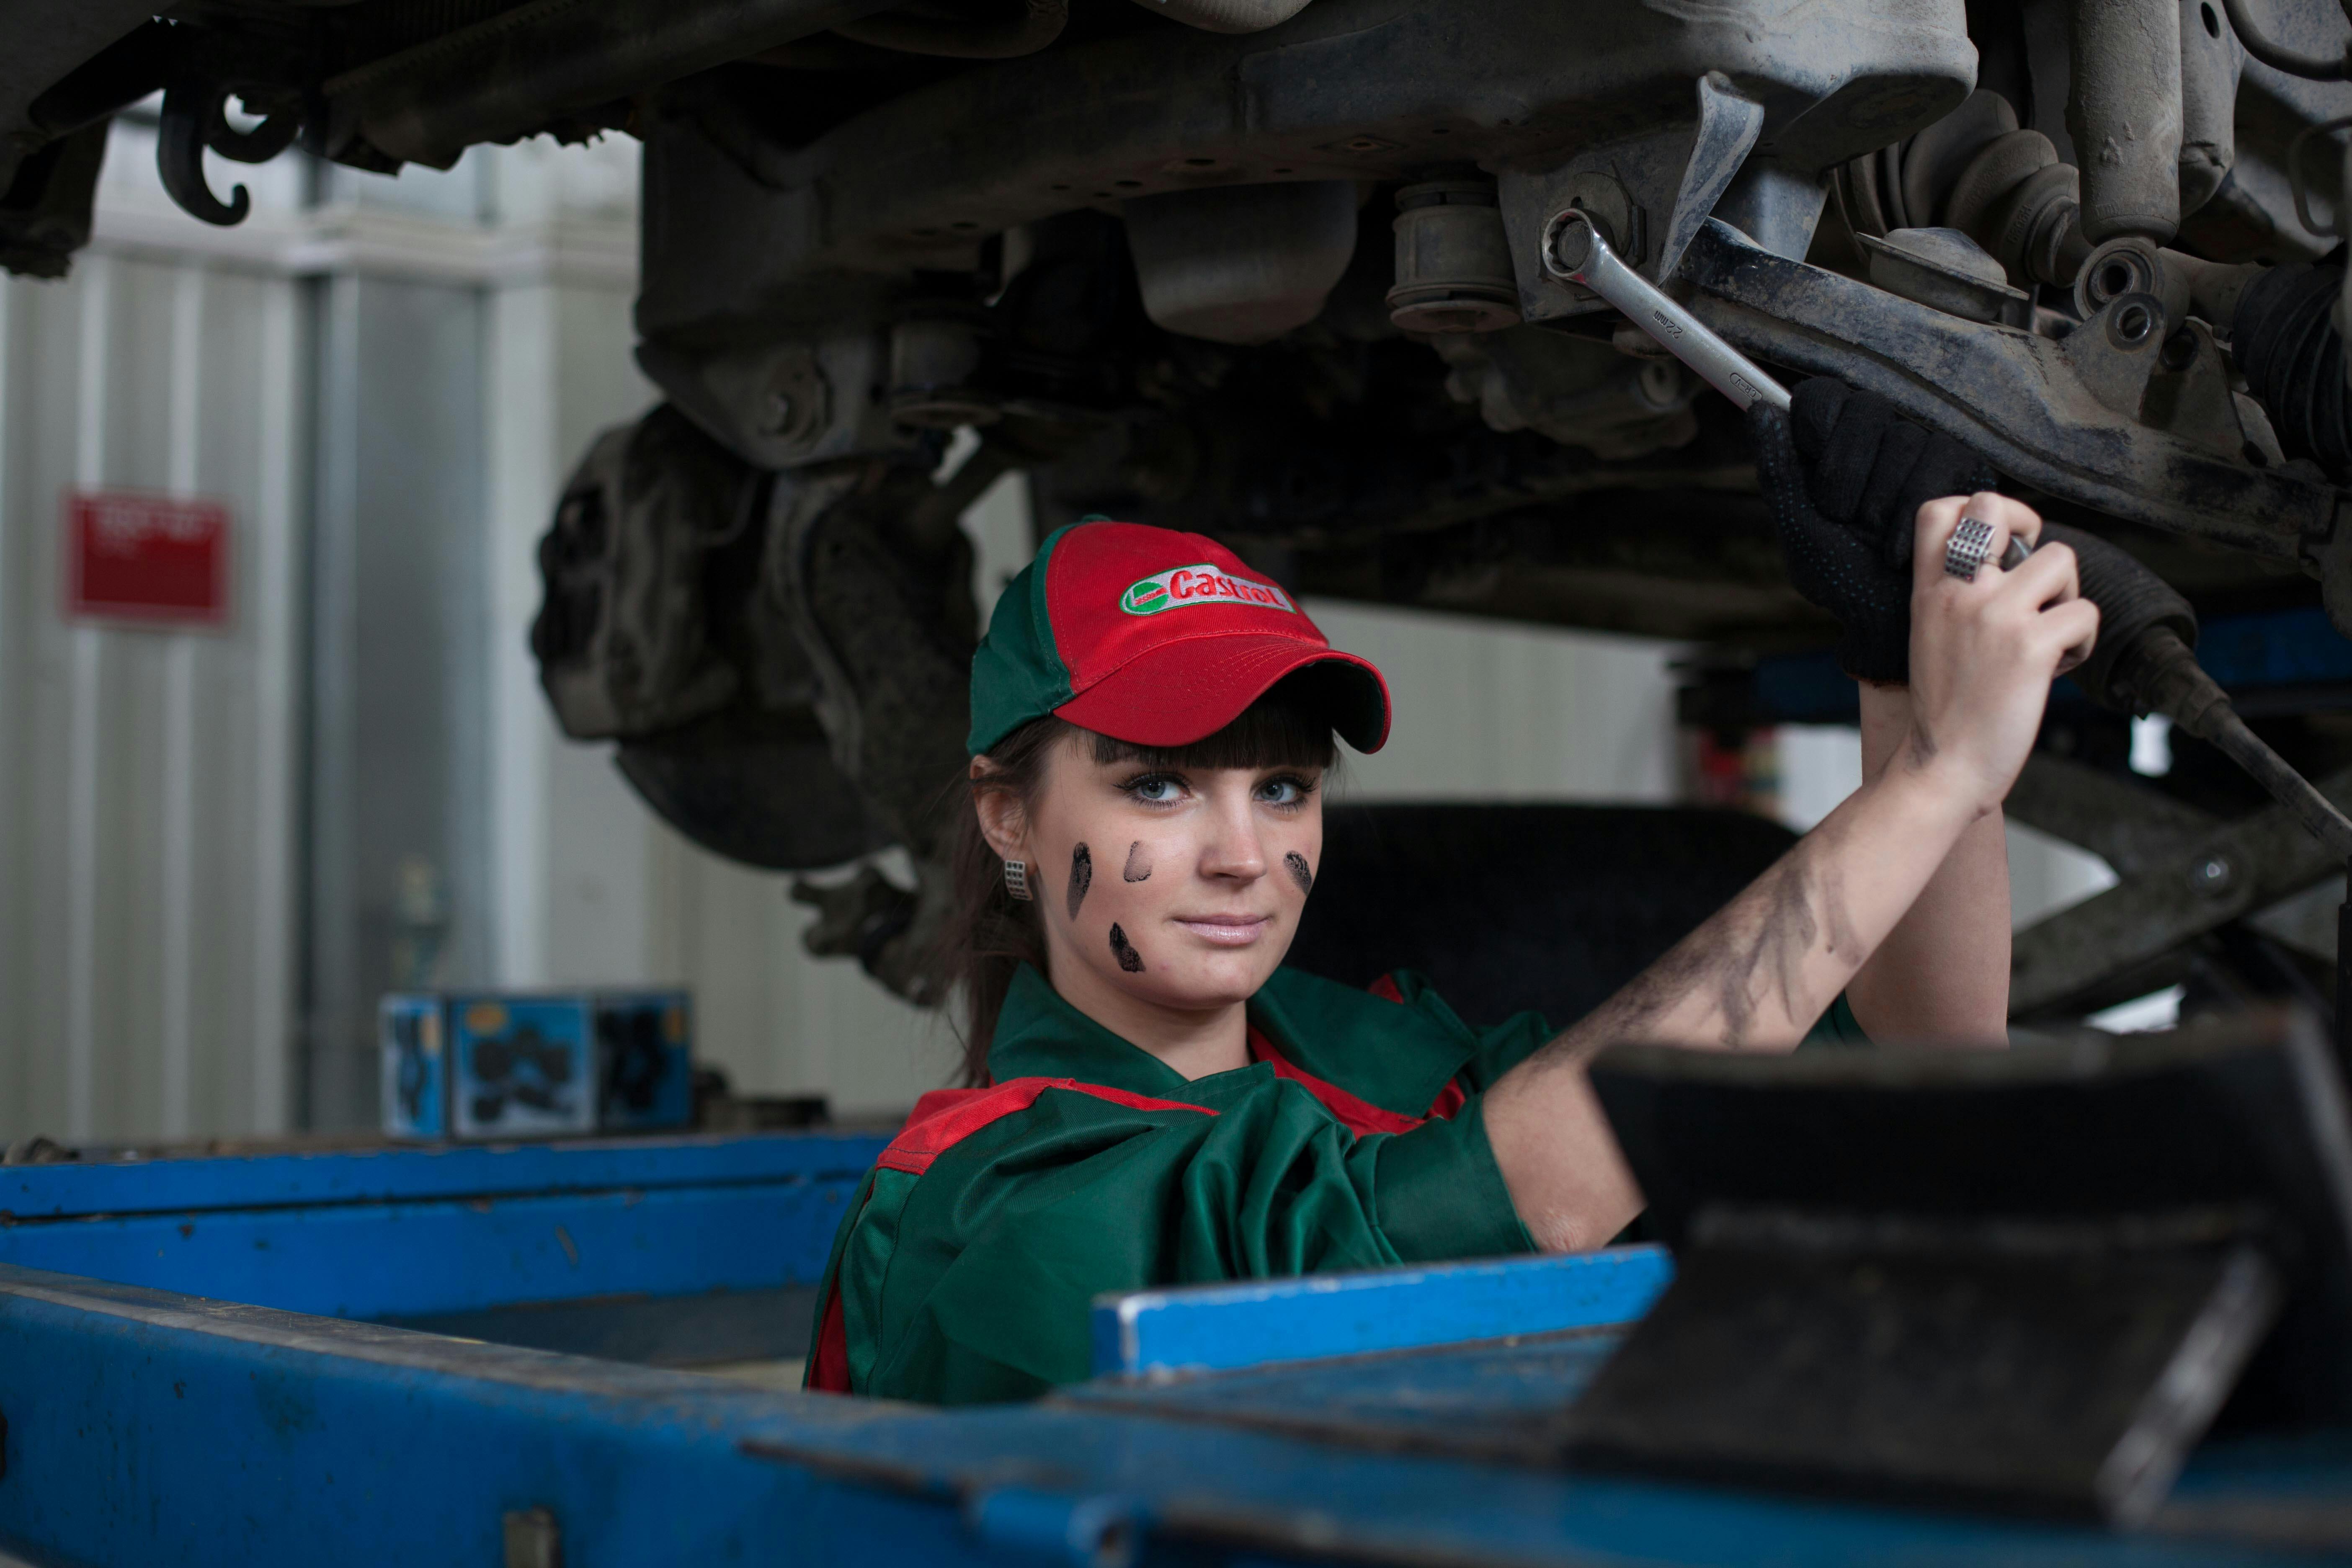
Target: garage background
x=217 y=848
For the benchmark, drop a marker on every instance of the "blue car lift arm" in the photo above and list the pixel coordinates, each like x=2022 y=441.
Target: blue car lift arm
x=144 y=1422
x=149 y=1429
x=642 y=1249
x=145 y=1427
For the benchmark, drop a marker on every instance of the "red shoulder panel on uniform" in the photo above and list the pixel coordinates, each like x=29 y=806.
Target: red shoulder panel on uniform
x=1385 y=988
x=946 y=1116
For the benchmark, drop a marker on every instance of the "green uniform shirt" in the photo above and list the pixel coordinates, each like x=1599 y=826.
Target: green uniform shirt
x=968 y=1260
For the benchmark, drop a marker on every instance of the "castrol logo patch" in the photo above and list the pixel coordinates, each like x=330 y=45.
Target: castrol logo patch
x=1202 y=584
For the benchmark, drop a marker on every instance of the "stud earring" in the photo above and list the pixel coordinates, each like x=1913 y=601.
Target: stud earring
x=1016 y=880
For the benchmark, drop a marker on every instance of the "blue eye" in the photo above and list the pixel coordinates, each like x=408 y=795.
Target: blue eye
x=1158 y=788
x=1284 y=791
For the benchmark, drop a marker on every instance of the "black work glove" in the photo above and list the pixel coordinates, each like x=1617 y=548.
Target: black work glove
x=1845 y=475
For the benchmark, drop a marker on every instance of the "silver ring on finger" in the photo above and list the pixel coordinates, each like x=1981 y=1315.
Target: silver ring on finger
x=1968 y=549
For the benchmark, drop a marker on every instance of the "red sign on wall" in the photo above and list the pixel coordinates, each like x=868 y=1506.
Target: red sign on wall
x=149 y=558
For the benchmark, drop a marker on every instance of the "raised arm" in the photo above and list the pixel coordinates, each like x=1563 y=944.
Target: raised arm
x=1757 y=975
x=1941 y=977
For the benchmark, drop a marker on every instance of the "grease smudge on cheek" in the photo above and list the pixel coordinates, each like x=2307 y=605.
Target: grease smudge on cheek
x=1082 y=877
x=1139 y=863
x=1121 y=949
x=1301 y=872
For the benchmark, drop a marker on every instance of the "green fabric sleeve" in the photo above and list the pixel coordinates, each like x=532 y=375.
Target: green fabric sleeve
x=1505 y=1046
x=1441 y=1196
x=1493 y=1051
x=1001 y=1249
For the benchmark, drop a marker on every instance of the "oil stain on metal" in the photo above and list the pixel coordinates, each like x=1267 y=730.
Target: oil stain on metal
x=1082 y=877
x=1129 y=959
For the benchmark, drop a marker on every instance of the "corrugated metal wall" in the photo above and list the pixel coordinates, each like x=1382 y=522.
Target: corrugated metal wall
x=147 y=799
x=201 y=832
x=206 y=838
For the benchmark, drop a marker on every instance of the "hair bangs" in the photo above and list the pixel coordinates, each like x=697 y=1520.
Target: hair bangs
x=1280 y=730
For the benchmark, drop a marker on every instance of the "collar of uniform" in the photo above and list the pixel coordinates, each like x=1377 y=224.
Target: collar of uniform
x=1397 y=1055
x=1038 y=1035
x=1398 y=1052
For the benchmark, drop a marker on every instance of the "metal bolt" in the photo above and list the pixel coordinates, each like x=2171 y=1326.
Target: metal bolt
x=1569 y=246
x=1571 y=242
x=2211 y=875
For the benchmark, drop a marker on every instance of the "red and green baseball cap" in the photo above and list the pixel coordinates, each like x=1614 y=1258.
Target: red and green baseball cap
x=1157 y=638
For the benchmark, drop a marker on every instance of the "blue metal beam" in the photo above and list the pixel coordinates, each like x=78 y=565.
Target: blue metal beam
x=414 y=1233
x=1155 y=1334
x=146 y=1429
x=1493 y=1399
x=406 y=1259
x=177 y=1185
x=143 y=1427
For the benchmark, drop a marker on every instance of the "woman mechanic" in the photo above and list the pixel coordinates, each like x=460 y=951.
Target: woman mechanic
x=1160 y=1102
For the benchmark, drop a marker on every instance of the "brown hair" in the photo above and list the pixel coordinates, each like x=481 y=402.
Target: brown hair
x=988 y=934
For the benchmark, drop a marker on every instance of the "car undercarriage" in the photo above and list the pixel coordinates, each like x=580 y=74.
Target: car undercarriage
x=1278 y=271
